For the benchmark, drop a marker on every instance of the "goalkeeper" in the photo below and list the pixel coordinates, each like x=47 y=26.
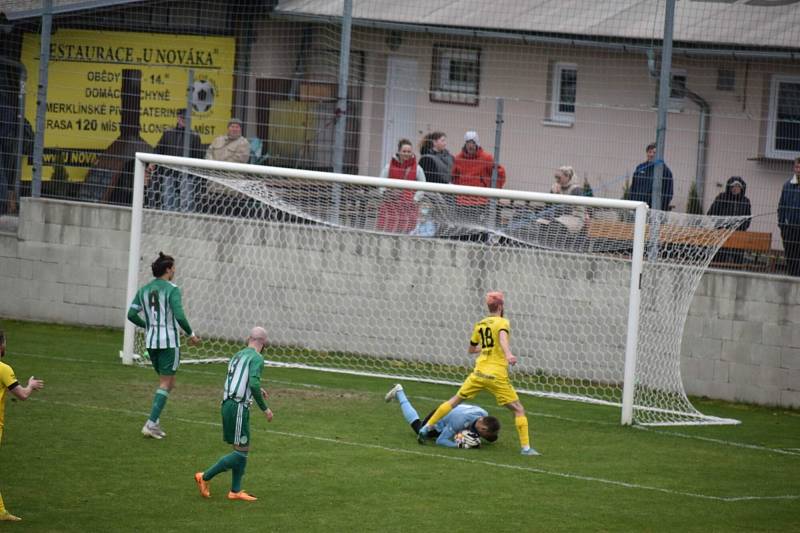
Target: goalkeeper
x=463 y=427
x=490 y=339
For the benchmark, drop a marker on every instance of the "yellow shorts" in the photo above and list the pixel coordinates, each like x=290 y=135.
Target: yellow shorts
x=501 y=388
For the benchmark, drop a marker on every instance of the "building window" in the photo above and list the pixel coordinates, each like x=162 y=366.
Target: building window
x=677 y=90
x=455 y=75
x=783 y=136
x=565 y=85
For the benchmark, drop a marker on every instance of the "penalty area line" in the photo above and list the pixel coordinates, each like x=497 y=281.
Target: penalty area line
x=431 y=455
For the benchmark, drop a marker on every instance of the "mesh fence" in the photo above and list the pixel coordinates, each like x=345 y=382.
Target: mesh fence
x=381 y=280
x=541 y=84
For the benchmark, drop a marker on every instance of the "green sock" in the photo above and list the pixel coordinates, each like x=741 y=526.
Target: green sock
x=238 y=471
x=225 y=463
x=159 y=401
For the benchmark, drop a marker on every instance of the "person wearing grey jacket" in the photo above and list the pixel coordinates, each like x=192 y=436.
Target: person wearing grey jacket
x=434 y=159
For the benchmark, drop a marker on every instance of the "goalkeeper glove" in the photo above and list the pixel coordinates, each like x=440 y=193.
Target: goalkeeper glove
x=469 y=440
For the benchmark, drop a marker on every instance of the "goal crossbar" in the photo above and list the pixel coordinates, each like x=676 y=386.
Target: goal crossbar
x=534 y=252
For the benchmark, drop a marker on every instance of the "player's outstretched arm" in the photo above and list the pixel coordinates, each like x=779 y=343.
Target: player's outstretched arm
x=23 y=393
x=445 y=438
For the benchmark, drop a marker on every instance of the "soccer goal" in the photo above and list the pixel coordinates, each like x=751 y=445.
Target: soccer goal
x=386 y=277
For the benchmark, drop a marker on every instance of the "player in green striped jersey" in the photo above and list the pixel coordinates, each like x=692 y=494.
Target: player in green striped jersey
x=242 y=387
x=160 y=301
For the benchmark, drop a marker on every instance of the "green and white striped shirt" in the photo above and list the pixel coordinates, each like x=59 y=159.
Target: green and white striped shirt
x=163 y=313
x=243 y=381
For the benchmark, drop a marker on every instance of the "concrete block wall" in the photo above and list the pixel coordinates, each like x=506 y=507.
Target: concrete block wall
x=67 y=263
x=741 y=340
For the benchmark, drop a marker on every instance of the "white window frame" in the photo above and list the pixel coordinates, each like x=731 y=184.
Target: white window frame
x=556 y=115
x=772 y=121
x=448 y=91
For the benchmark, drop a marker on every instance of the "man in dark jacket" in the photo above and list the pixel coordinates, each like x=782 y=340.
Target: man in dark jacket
x=733 y=202
x=789 y=221
x=166 y=185
x=642 y=181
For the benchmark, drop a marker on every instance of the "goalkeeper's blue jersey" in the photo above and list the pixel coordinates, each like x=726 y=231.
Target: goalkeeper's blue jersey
x=459 y=419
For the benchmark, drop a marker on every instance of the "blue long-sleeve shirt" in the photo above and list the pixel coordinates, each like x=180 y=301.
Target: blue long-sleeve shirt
x=462 y=417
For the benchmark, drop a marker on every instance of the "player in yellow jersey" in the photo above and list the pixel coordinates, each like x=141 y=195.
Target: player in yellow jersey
x=8 y=382
x=490 y=339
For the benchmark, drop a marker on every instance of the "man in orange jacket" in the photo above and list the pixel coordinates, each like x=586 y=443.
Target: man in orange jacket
x=473 y=166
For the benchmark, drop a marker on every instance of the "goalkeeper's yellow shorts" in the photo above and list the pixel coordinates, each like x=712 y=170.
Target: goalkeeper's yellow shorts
x=499 y=387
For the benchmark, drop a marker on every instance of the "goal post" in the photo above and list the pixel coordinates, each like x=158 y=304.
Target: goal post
x=385 y=277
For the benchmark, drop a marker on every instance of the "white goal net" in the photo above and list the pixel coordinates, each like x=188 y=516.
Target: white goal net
x=386 y=278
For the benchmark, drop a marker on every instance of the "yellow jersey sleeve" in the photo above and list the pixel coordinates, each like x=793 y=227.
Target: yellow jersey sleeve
x=7 y=377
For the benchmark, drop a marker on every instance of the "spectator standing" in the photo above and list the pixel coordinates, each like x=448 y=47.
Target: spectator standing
x=398 y=211
x=434 y=158
x=789 y=221
x=732 y=202
x=166 y=184
x=642 y=182
x=473 y=166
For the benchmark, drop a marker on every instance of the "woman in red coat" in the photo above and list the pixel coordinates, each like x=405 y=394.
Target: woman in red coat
x=398 y=211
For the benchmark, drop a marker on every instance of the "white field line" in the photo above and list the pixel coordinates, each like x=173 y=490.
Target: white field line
x=533 y=470
x=722 y=442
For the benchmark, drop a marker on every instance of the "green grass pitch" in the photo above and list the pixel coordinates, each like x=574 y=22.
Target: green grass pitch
x=337 y=458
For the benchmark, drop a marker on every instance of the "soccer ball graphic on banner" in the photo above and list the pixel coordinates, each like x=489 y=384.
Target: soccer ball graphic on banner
x=467 y=439
x=203 y=93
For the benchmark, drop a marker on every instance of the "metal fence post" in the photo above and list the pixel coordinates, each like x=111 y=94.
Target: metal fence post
x=41 y=97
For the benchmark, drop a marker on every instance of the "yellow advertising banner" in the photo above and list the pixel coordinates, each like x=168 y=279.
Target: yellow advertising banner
x=84 y=90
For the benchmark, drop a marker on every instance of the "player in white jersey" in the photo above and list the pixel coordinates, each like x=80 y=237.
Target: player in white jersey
x=242 y=387
x=160 y=301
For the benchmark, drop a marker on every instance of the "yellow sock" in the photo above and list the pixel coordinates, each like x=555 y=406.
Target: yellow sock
x=2 y=505
x=441 y=412
x=522 y=430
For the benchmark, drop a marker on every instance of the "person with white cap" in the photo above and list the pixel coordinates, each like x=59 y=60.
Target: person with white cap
x=474 y=166
x=491 y=340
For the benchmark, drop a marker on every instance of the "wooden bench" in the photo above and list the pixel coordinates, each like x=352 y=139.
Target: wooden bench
x=748 y=241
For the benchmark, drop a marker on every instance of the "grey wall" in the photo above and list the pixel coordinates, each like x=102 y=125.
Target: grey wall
x=741 y=341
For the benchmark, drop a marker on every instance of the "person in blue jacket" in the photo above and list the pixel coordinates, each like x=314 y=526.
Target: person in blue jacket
x=642 y=181
x=452 y=431
x=789 y=220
